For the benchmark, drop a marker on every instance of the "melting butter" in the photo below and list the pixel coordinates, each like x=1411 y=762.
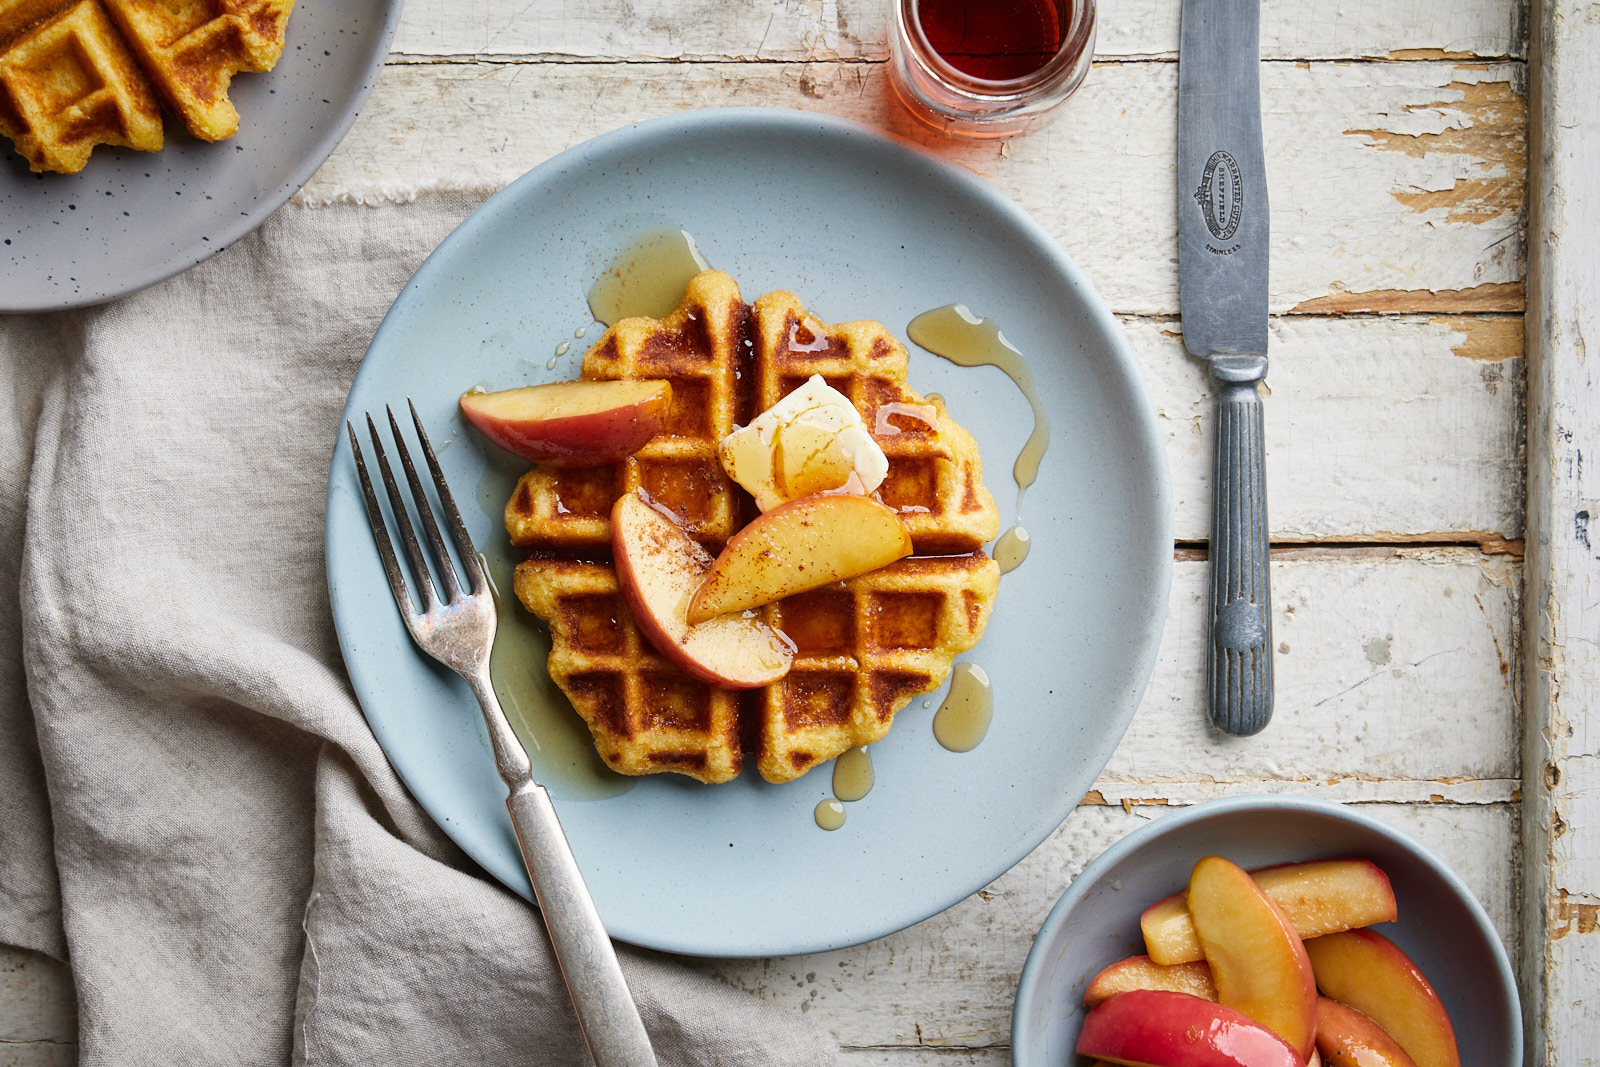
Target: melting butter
x=812 y=441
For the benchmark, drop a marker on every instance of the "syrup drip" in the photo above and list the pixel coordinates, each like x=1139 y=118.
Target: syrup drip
x=552 y=733
x=647 y=277
x=829 y=814
x=963 y=719
x=1011 y=549
x=852 y=774
x=954 y=333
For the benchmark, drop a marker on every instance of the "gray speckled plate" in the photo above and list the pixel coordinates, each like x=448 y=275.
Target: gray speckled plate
x=860 y=226
x=131 y=219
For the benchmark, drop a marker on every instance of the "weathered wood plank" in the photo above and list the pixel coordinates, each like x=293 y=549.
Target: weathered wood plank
x=948 y=982
x=1391 y=178
x=38 y=1011
x=1562 y=741
x=857 y=29
x=1377 y=429
x=1357 y=638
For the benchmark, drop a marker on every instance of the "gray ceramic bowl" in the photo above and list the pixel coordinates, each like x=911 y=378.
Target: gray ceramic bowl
x=1442 y=927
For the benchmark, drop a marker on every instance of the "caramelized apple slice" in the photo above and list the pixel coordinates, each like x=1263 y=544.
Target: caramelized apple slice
x=1256 y=958
x=801 y=545
x=1368 y=972
x=571 y=424
x=1347 y=1038
x=659 y=567
x=1320 y=897
x=1157 y=1027
x=1138 y=972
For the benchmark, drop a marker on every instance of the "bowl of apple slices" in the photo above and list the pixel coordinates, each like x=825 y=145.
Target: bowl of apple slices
x=1267 y=932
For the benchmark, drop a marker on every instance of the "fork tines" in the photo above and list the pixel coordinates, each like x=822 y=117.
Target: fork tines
x=408 y=536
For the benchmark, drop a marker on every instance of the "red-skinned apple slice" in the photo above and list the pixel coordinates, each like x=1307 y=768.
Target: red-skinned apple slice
x=1319 y=896
x=1159 y=1027
x=1368 y=972
x=1256 y=957
x=1138 y=972
x=1347 y=1038
x=659 y=567
x=571 y=424
x=804 y=544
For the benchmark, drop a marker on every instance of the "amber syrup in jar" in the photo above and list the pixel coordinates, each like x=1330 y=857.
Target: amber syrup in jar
x=988 y=68
x=995 y=40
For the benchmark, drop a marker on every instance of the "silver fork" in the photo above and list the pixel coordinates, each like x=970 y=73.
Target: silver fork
x=458 y=631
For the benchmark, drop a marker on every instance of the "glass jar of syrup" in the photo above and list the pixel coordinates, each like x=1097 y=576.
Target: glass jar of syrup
x=988 y=68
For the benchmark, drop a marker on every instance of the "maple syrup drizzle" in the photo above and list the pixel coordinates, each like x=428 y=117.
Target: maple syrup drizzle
x=956 y=334
x=963 y=719
x=647 y=277
x=556 y=740
x=829 y=814
x=852 y=774
x=1011 y=549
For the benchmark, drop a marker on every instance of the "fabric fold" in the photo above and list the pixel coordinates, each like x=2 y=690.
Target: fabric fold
x=242 y=877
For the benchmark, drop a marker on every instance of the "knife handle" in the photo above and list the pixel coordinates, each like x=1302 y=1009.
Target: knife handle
x=1239 y=668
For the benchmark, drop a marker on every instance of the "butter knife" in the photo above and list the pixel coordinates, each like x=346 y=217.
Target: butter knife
x=1222 y=275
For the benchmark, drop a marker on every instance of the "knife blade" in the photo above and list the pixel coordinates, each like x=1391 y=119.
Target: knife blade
x=1222 y=278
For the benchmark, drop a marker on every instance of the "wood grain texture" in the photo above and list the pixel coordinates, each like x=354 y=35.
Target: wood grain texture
x=948 y=982
x=38 y=1013
x=1387 y=429
x=788 y=31
x=1562 y=742
x=1347 y=186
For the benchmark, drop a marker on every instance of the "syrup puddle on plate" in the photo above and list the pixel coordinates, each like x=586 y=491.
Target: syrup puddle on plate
x=962 y=721
x=647 y=277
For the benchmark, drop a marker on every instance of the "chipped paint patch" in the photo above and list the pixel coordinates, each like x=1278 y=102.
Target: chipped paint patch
x=1485 y=124
x=1491 y=339
x=1487 y=298
x=1570 y=916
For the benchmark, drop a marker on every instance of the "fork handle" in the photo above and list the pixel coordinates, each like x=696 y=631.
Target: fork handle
x=606 y=1012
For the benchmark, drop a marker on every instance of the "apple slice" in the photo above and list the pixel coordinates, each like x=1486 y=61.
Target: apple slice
x=801 y=545
x=1256 y=958
x=571 y=424
x=1320 y=897
x=1368 y=972
x=1154 y=1026
x=1347 y=1038
x=1137 y=972
x=659 y=567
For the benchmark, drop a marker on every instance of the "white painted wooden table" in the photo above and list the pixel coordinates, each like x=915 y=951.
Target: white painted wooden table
x=1429 y=669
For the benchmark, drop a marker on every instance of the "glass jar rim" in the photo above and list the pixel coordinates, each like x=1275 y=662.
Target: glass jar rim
x=1066 y=59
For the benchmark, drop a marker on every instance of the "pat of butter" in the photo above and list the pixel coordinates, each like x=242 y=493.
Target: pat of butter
x=811 y=441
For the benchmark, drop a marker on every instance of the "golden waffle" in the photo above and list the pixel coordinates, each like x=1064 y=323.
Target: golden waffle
x=864 y=647
x=69 y=83
x=700 y=348
x=645 y=714
x=192 y=49
x=79 y=73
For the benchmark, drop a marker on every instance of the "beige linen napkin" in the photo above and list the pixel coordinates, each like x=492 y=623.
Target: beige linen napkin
x=231 y=864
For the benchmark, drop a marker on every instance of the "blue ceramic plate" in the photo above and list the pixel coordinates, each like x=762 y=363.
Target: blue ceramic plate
x=131 y=219
x=860 y=226
x=1442 y=927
